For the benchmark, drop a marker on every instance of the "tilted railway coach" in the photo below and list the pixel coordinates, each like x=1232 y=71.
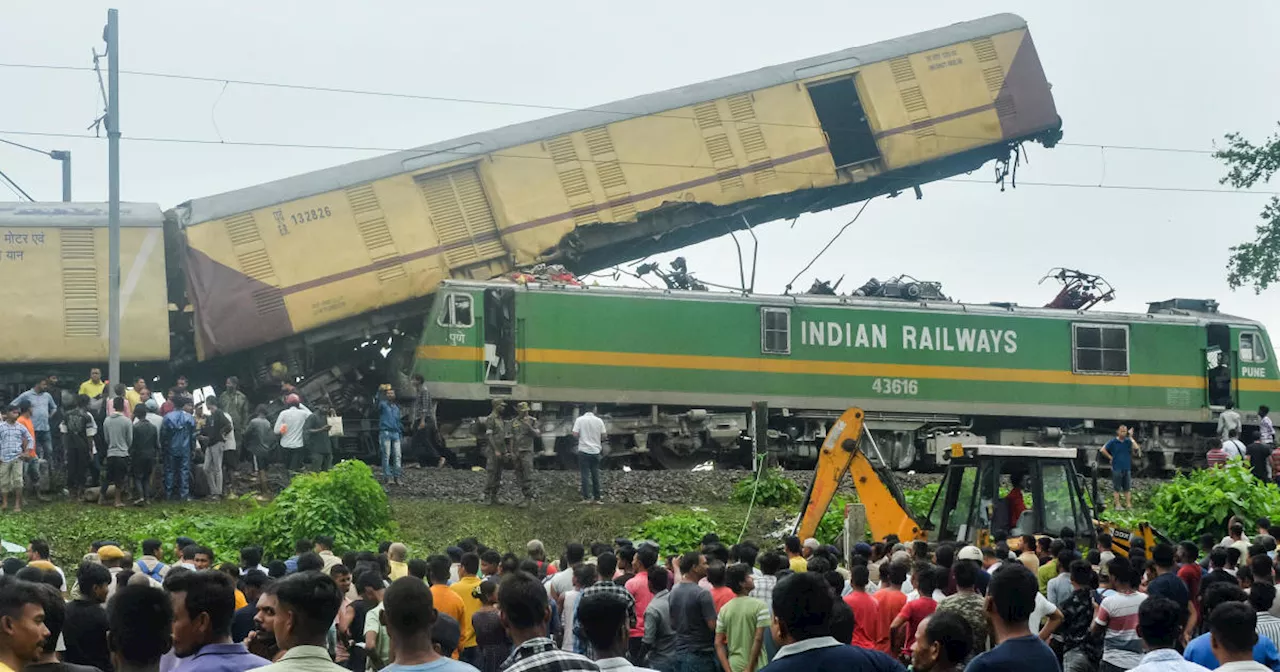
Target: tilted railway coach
x=677 y=373
x=279 y=271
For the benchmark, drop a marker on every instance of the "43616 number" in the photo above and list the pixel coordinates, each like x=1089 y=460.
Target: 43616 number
x=892 y=386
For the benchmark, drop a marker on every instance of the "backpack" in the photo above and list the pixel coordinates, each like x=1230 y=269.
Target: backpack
x=153 y=573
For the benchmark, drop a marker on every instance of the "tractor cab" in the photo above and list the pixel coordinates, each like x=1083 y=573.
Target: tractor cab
x=1010 y=489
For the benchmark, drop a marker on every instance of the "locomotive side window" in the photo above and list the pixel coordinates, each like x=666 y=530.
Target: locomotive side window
x=457 y=311
x=775 y=331
x=1251 y=348
x=1100 y=348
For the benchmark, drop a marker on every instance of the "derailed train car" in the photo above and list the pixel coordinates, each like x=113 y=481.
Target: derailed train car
x=682 y=375
x=308 y=270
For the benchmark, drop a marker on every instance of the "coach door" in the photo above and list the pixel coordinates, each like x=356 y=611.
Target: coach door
x=1218 y=365
x=500 y=335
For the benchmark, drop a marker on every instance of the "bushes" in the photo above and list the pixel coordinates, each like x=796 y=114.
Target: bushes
x=919 y=501
x=1202 y=501
x=774 y=489
x=677 y=532
x=345 y=502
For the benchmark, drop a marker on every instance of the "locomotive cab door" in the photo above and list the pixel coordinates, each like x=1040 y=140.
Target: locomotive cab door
x=500 y=335
x=1218 y=365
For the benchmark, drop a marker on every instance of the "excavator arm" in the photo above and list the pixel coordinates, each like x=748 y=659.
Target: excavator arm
x=841 y=454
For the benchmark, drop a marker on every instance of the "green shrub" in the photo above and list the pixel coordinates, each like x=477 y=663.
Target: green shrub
x=919 y=501
x=832 y=524
x=677 y=532
x=345 y=502
x=774 y=489
x=1202 y=501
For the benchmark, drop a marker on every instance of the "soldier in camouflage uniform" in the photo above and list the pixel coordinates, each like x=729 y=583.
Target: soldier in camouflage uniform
x=496 y=427
x=509 y=439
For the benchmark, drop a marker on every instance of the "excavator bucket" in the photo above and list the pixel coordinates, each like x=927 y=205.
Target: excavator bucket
x=841 y=454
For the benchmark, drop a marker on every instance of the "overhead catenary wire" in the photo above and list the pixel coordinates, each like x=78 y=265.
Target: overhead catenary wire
x=225 y=81
x=779 y=170
x=13 y=186
x=829 y=244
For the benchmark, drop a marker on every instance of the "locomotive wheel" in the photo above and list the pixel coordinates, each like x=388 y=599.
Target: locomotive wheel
x=670 y=459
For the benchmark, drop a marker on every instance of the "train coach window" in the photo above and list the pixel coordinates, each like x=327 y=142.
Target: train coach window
x=775 y=331
x=457 y=311
x=1101 y=348
x=1251 y=348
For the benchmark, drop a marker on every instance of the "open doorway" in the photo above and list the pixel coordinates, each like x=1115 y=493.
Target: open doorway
x=844 y=122
x=500 y=335
x=1218 y=364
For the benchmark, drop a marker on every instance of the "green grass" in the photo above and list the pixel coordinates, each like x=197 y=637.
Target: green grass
x=425 y=526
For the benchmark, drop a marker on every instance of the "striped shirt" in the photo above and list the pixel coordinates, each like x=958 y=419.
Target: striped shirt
x=1121 y=645
x=1268 y=626
x=13 y=437
x=1218 y=457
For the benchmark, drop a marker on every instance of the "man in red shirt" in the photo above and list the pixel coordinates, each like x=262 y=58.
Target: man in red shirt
x=890 y=599
x=638 y=586
x=867 y=630
x=915 y=611
x=1190 y=573
x=1014 y=501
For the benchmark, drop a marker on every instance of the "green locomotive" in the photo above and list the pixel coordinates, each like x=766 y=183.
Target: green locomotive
x=677 y=374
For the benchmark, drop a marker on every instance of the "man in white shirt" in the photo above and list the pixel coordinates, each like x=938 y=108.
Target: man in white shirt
x=289 y=427
x=1228 y=420
x=589 y=431
x=1233 y=446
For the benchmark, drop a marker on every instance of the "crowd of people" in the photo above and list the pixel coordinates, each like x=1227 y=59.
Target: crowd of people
x=1026 y=603
x=104 y=440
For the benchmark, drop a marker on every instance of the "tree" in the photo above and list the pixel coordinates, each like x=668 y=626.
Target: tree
x=1256 y=263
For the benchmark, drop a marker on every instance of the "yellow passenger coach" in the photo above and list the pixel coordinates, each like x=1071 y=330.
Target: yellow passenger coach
x=53 y=284
x=595 y=187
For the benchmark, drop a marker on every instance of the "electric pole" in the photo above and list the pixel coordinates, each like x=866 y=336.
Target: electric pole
x=112 y=38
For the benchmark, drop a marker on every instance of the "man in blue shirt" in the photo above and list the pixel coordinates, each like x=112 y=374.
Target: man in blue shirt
x=1120 y=452
x=389 y=434
x=1200 y=649
x=411 y=616
x=204 y=604
x=178 y=432
x=1011 y=599
x=802 y=605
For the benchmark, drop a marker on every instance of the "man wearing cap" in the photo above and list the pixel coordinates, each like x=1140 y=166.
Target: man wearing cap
x=112 y=557
x=810 y=545
x=288 y=427
x=519 y=434
x=974 y=555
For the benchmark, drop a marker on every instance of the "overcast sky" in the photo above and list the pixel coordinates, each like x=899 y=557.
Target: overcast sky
x=1176 y=75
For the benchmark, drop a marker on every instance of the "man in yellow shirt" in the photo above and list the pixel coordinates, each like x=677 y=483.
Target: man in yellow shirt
x=795 y=556
x=397 y=555
x=93 y=387
x=134 y=394
x=467 y=588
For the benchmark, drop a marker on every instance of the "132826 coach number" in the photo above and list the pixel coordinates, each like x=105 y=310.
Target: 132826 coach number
x=891 y=386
